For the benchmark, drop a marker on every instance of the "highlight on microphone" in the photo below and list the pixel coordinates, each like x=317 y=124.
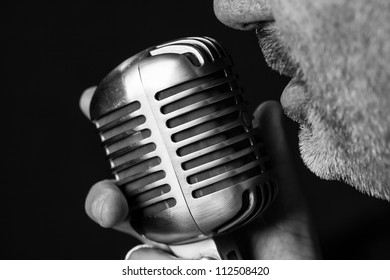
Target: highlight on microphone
x=180 y=143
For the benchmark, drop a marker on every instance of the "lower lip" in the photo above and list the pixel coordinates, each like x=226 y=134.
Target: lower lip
x=294 y=98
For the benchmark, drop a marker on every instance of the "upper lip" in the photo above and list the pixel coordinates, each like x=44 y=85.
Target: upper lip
x=275 y=52
x=277 y=56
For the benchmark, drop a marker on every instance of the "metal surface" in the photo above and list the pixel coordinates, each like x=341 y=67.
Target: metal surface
x=179 y=142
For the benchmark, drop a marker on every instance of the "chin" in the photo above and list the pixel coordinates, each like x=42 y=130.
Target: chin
x=329 y=160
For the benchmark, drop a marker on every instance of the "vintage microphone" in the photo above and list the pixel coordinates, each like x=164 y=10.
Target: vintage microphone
x=181 y=147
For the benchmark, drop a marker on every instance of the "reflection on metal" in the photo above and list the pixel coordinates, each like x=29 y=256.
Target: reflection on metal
x=180 y=145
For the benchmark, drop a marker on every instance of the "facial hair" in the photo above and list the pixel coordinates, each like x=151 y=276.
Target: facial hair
x=342 y=52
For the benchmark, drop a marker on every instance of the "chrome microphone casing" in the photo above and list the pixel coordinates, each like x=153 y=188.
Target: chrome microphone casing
x=180 y=142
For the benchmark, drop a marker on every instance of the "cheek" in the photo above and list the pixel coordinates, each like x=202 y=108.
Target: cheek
x=305 y=30
x=299 y=18
x=288 y=11
x=293 y=19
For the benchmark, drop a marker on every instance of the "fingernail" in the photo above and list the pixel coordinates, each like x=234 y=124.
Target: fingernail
x=97 y=207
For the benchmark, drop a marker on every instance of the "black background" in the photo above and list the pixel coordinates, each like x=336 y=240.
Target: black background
x=51 y=155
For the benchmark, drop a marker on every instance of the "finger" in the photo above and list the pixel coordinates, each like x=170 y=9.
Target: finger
x=125 y=227
x=287 y=231
x=106 y=205
x=85 y=100
x=147 y=252
x=269 y=118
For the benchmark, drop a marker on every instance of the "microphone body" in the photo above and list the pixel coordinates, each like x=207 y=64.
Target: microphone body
x=181 y=146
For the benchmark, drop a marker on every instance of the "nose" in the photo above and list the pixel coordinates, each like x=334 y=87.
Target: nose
x=243 y=14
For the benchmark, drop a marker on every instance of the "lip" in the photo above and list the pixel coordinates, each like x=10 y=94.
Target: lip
x=295 y=95
x=294 y=98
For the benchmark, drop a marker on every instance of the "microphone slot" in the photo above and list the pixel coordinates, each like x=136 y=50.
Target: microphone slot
x=129 y=142
x=193 y=59
x=228 y=174
x=226 y=159
x=136 y=185
x=161 y=95
x=204 y=127
x=210 y=141
x=195 y=98
x=199 y=137
x=122 y=130
x=212 y=46
x=220 y=169
x=119 y=161
x=210 y=117
x=201 y=112
x=208 y=47
x=153 y=209
x=228 y=79
x=254 y=200
x=138 y=168
x=218 y=154
x=150 y=194
x=117 y=116
x=228 y=182
x=222 y=96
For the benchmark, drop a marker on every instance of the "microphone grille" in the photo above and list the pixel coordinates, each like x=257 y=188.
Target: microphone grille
x=132 y=156
x=180 y=144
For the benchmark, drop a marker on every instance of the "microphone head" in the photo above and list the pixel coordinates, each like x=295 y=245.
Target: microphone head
x=180 y=142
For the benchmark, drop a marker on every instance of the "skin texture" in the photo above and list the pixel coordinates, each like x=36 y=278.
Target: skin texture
x=338 y=53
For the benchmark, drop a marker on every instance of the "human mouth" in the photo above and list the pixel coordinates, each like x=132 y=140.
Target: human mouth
x=294 y=98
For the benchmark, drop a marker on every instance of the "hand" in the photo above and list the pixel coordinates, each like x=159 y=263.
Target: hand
x=284 y=231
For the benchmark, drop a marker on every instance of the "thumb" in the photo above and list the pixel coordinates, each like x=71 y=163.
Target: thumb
x=269 y=119
x=286 y=230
